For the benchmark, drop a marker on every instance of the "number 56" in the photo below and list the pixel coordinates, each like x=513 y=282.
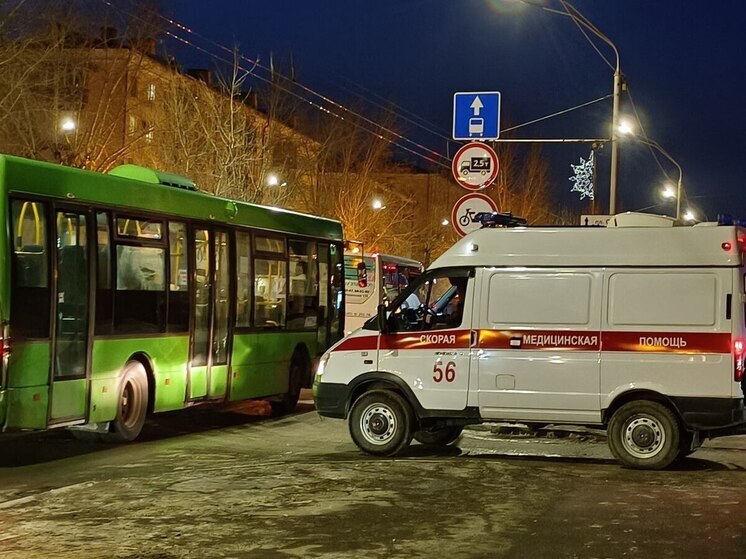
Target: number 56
x=448 y=374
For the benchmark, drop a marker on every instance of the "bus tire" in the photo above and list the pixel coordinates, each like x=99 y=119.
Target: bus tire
x=381 y=423
x=132 y=405
x=439 y=437
x=644 y=435
x=296 y=375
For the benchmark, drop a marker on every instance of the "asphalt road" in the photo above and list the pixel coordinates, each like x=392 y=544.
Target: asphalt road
x=236 y=484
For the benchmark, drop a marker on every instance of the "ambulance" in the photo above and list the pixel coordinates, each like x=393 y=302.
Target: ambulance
x=637 y=328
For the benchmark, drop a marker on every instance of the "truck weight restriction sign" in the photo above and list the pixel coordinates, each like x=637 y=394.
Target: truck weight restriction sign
x=466 y=208
x=475 y=166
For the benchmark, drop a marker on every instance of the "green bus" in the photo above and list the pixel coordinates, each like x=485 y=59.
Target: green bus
x=129 y=293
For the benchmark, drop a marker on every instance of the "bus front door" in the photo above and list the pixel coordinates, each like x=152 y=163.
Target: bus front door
x=208 y=369
x=69 y=389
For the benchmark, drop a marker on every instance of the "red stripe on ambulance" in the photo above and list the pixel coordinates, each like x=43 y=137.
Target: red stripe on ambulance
x=549 y=340
x=668 y=342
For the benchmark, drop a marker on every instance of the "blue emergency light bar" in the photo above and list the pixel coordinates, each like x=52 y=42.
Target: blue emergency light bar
x=727 y=219
x=497 y=219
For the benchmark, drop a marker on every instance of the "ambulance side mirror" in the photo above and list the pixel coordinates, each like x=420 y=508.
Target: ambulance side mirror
x=383 y=323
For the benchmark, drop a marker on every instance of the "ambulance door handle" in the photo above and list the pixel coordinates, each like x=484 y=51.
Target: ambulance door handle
x=515 y=342
x=473 y=338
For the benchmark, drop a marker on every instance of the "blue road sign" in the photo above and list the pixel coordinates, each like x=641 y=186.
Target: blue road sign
x=476 y=115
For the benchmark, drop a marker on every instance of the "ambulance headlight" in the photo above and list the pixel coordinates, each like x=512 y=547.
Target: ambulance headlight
x=322 y=364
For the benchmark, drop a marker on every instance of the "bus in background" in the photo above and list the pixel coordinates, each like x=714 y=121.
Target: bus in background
x=131 y=293
x=372 y=280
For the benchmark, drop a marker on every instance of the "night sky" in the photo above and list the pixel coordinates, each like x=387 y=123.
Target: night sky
x=681 y=59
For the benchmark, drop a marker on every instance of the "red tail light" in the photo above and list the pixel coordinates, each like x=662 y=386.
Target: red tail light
x=738 y=359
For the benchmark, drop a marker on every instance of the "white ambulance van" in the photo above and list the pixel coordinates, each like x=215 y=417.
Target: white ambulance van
x=637 y=327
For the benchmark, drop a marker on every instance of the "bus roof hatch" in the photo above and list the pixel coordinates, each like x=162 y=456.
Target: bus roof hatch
x=144 y=174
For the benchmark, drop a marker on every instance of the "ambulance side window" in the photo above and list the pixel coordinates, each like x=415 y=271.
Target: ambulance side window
x=436 y=303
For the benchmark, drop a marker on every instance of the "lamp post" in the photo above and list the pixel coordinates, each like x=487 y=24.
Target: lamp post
x=656 y=146
x=583 y=22
x=679 y=189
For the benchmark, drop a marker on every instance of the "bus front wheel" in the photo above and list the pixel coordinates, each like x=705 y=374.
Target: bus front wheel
x=132 y=405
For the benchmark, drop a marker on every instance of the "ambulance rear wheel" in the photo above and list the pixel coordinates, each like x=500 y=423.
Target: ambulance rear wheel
x=644 y=435
x=439 y=437
x=381 y=423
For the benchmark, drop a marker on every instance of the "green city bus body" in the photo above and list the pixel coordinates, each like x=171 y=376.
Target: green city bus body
x=59 y=220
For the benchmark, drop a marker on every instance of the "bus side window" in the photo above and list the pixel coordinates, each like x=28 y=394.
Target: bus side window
x=178 y=290
x=30 y=294
x=243 y=279
x=104 y=301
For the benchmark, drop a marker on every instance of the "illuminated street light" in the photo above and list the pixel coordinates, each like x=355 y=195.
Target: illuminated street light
x=668 y=192
x=67 y=124
x=586 y=25
x=689 y=216
x=444 y=222
x=377 y=204
x=272 y=180
x=625 y=127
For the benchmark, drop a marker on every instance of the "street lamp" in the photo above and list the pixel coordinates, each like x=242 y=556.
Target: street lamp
x=377 y=204
x=655 y=145
x=67 y=124
x=581 y=21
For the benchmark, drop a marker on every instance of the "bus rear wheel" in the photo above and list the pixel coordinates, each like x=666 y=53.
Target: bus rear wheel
x=132 y=405
x=644 y=435
x=381 y=423
x=296 y=377
x=439 y=437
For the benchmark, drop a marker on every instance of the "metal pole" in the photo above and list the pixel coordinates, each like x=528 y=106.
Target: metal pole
x=615 y=140
x=679 y=183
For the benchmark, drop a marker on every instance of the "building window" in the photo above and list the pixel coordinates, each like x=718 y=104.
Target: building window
x=151 y=92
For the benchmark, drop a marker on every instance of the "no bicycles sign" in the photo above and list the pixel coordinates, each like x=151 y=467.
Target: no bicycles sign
x=466 y=208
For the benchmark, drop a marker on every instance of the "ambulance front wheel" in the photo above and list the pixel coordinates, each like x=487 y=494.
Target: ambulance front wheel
x=644 y=435
x=381 y=423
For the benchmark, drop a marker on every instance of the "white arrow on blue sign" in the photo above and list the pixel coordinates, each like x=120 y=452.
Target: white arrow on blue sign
x=476 y=115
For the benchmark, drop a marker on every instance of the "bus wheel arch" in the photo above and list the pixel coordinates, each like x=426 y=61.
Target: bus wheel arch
x=301 y=352
x=298 y=373
x=145 y=360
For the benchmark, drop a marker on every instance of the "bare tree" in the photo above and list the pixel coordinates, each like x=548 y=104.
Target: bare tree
x=65 y=98
x=522 y=185
x=346 y=182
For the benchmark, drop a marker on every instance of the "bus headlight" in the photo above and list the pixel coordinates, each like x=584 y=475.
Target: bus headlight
x=322 y=364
